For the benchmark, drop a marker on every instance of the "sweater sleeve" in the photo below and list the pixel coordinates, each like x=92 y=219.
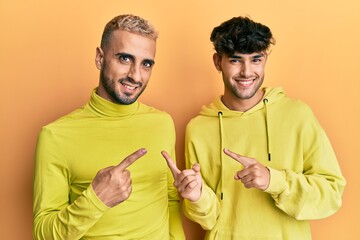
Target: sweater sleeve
x=205 y=211
x=315 y=192
x=54 y=216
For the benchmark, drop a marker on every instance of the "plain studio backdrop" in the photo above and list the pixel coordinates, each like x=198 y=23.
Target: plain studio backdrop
x=47 y=51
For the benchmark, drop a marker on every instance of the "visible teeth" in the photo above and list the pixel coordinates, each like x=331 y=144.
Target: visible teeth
x=246 y=82
x=129 y=87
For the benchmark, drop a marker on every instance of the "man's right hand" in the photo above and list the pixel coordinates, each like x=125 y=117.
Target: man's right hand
x=112 y=185
x=188 y=182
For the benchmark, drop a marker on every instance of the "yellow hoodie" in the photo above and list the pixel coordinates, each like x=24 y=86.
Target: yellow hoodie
x=71 y=150
x=283 y=134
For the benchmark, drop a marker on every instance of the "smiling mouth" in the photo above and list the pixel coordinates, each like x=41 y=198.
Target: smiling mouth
x=130 y=87
x=245 y=83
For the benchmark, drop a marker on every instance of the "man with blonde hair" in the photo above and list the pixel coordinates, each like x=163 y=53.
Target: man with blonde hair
x=82 y=189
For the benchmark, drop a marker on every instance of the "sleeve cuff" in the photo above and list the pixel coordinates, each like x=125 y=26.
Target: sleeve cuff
x=93 y=198
x=277 y=182
x=202 y=204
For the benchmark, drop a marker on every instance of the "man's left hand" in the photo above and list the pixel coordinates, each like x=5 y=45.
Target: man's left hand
x=254 y=174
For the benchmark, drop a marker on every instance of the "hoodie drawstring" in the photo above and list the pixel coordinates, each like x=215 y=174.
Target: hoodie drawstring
x=267 y=128
x=220 y=115
x=221 y=153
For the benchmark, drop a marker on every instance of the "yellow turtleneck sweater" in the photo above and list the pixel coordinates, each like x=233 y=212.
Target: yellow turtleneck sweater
x=71 y=150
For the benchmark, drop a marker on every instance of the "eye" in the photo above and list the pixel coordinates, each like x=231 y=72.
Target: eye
x=124 y=58
x=234 y=60
x=148 y=64
x=257 y=60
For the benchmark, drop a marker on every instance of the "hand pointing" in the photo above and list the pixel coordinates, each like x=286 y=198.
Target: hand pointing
x=188 y=182
x=254 y=174
x=112 y=185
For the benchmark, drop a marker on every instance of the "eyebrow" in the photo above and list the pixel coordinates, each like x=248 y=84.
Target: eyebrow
x=259 y=55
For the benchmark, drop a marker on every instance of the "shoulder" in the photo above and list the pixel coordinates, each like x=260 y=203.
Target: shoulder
x=67 y=118
x=154 y=113
x=291 y=106
x=202 y=126
x=296 y=113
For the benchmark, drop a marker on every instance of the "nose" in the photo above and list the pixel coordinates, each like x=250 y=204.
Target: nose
x=245 y=70
x=134 y=73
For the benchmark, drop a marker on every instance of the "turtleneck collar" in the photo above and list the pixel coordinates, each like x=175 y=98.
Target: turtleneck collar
x=103 y=107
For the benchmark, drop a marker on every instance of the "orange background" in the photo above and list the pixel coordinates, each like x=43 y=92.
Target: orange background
x=47 y=51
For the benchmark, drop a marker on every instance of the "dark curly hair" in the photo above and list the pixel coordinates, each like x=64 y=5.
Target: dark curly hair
x=242 y=35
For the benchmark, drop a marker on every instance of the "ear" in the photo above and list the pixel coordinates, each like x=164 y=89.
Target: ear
x=99 y=58
x=217 y=61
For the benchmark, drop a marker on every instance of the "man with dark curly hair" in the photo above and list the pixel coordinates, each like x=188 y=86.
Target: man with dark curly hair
x=281 y=170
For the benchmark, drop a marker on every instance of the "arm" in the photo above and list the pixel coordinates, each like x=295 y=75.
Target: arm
x=54 y=216
x=205 y=210
x=314 y=193
x=190 y=186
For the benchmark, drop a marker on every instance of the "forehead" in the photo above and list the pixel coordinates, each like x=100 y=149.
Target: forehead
x=131 y=43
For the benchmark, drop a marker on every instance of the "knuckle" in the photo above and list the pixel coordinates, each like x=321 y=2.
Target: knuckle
x=188 y=178
x=126 y=173
x=193 y=185
x=123 y=188
x=112 y=172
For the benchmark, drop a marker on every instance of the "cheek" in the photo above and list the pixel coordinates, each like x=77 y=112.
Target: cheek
x=260 y=73
x=230 y=73
x=116 y=70
x=146 y=74
x=260 y=70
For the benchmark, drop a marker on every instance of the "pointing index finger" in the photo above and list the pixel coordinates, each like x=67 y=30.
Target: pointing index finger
x=131 y=158
x=241 y=159
x=174 y=169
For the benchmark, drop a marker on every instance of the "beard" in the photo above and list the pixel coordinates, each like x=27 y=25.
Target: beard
x=117 y=96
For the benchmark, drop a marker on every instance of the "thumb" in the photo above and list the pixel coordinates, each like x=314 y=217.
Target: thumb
x=245 y=161
x=196 y=168
x=174 y=169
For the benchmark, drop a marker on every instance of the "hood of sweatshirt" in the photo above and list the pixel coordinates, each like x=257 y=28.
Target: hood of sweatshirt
x=219 y=110
x=271 y=96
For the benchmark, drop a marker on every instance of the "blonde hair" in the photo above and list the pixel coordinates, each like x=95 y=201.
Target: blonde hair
x=130 y=23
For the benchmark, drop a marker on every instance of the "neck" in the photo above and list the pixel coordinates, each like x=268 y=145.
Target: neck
x=242 y=105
